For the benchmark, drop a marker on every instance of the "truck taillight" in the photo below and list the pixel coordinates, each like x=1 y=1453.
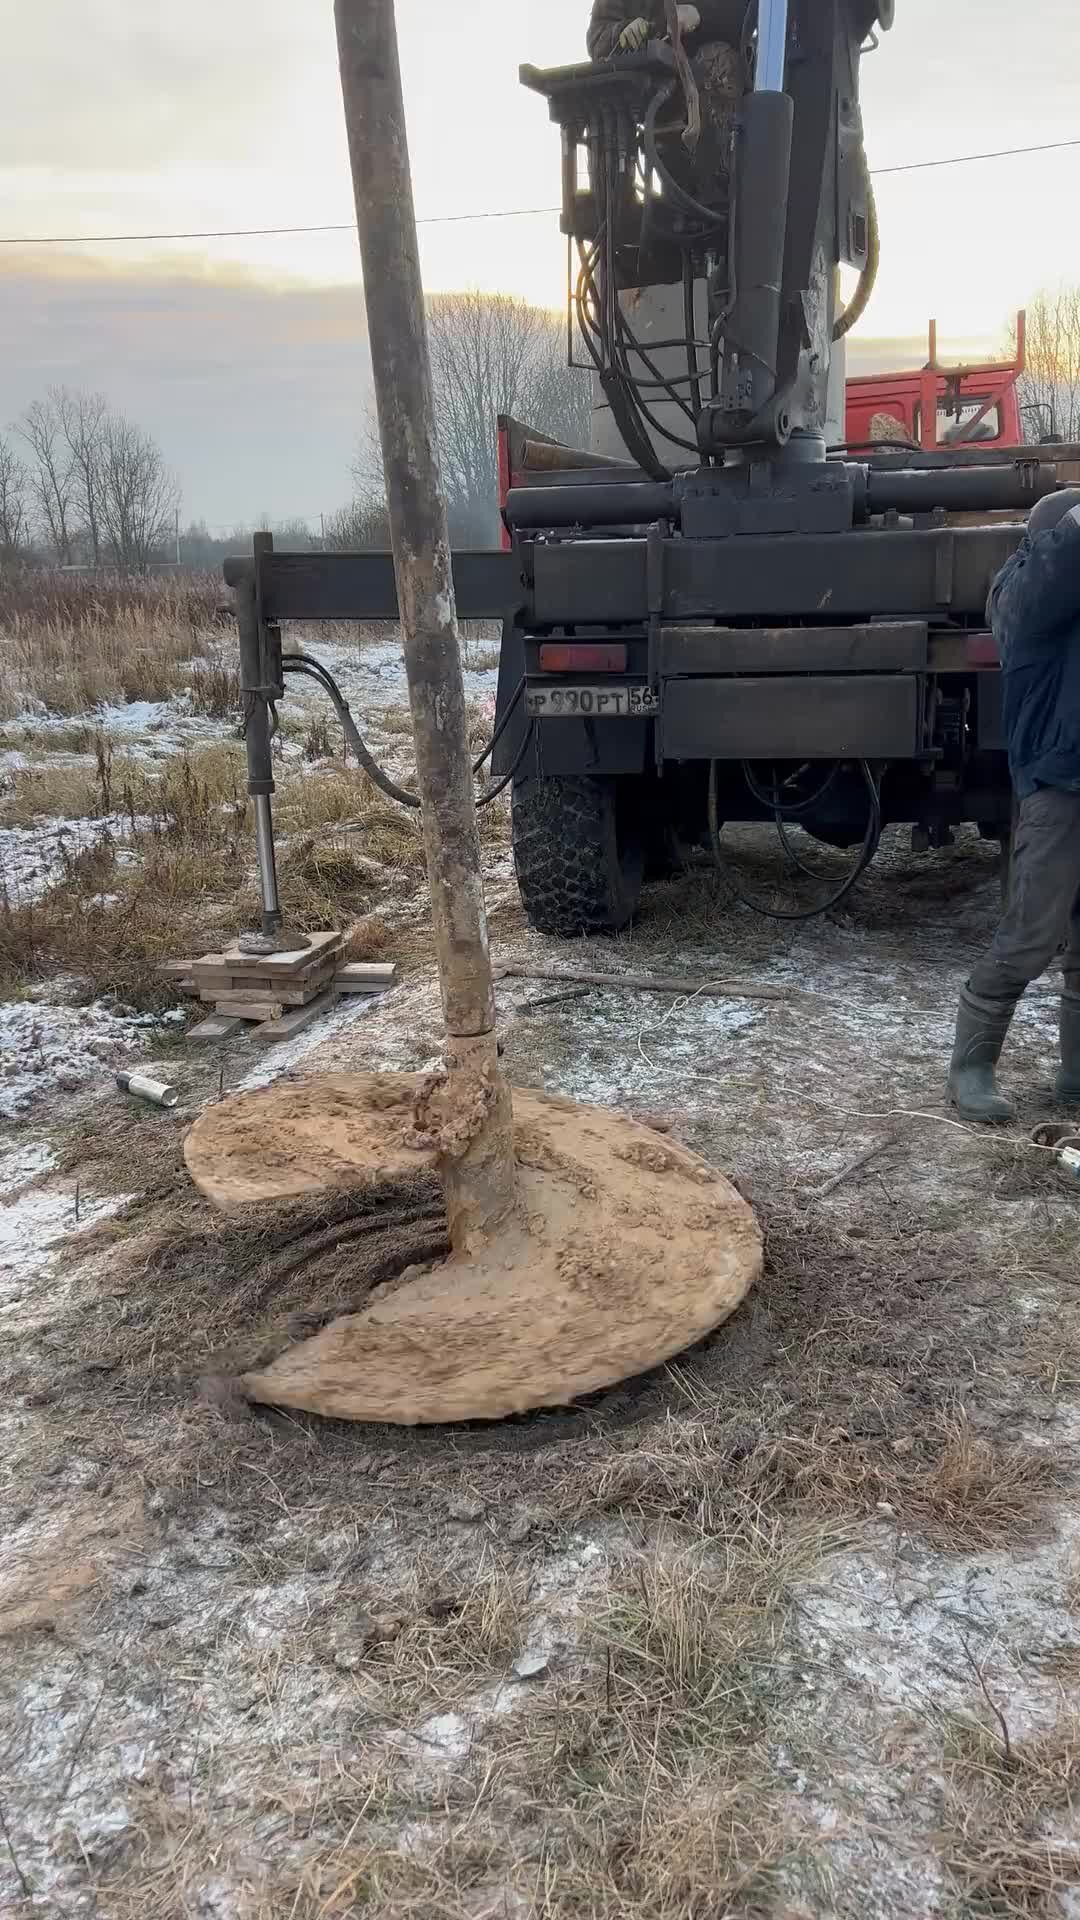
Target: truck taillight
x=560 y=656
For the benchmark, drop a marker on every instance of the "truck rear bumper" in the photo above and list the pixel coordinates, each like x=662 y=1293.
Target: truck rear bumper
x=788 y=717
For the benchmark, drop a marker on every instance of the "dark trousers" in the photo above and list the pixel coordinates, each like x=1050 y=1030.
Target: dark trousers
x=1043 y=910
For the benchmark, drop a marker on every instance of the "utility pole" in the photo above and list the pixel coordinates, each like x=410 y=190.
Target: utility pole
x=472 y=1120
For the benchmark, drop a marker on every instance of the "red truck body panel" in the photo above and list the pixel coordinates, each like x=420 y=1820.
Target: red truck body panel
x=938 y=407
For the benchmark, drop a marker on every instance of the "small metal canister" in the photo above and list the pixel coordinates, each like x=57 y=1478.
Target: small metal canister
x=141 y=1085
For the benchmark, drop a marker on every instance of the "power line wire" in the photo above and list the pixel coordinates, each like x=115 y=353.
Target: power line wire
x=244 y=233
x=456 y=219
x=965 y=159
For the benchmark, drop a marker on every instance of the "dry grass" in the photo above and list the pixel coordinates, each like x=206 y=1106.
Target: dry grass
x=956 y=1487
x=442 y=1635
x=394 y=720
x=963 y=1491
x=175 y=872
x=214 y=687
x=689 y=1623
x=480 y=657
x=34 y=741
x=1028 y=1778
x=317 y=740
x=75 y=649
x=1002 y=1796
x=648 y=1767
x=50 y=792
x=667 y=1840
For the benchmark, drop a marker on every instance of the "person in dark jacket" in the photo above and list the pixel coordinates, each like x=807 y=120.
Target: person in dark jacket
x=1035 y=615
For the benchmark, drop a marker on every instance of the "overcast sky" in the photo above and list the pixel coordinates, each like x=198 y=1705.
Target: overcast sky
x=245 y=357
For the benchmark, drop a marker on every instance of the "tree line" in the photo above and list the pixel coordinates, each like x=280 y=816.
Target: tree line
x=490 y=354
x=1049 y=389
x=81 y=484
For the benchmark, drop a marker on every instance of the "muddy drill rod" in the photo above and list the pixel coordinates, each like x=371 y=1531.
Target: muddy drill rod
x=479 y=1180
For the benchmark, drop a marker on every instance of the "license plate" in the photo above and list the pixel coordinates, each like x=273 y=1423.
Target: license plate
x=590 y=703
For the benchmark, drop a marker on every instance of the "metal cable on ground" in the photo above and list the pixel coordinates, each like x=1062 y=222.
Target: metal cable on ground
x=871 y=840
x=314 y=670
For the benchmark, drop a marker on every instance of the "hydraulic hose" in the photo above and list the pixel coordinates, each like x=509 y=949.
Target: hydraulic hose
x=859 y=301
x=314 y=670
x=870 y=843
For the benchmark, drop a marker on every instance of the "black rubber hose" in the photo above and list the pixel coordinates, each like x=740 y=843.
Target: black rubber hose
x=314 y=670
x=710 y=218
x=624 y=410
x=690 y=324
x=871 y=841
x=791 y=809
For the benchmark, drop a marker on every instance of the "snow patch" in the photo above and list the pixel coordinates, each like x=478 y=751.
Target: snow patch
x=170 y=724
x=32 y=859
x=49 y=1050
x=35 y=1213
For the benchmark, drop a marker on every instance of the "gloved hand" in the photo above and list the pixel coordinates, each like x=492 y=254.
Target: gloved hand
x=689 y=19
x=634 y=37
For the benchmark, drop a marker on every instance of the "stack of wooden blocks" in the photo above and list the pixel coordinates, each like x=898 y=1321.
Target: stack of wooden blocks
x=280 y=992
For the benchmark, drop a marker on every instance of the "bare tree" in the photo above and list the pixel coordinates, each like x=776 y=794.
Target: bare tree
x=83 y=419
x=1049 y=390
x=363 y=523
x=561 y=397
x=490 y=354
x=14 y=494
x=139 y=495
x=52 y=481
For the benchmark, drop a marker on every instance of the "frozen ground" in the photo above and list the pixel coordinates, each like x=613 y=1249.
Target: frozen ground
x=33 y=859
x=48 y=1050
x=274 y=1668
x=371 y=673
x=144 y=729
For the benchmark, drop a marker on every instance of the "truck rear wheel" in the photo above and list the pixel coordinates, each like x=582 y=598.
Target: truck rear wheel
x=578 y=852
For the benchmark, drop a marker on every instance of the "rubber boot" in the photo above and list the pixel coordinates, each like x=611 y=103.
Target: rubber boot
x=981 y=1026
x=1067 y=1084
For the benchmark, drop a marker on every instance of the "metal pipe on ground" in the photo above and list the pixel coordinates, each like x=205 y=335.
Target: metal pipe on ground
x=475 y=1110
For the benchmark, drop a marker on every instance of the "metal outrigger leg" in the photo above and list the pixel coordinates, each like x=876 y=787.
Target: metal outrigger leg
x=261 y=686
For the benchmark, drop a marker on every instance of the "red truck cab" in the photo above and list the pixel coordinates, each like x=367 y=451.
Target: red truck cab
x=935 y=407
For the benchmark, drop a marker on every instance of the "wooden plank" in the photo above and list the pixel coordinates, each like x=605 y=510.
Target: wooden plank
x=228 y=986
x=218 y=967
x=375 y=973
x=217 y=1026
x=175 y=969
x=324 y=946
x=294 y=1023
x=247 y=1007
x=237 y=978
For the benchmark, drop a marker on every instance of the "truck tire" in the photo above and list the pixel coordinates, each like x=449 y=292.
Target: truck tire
x=578 y=853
